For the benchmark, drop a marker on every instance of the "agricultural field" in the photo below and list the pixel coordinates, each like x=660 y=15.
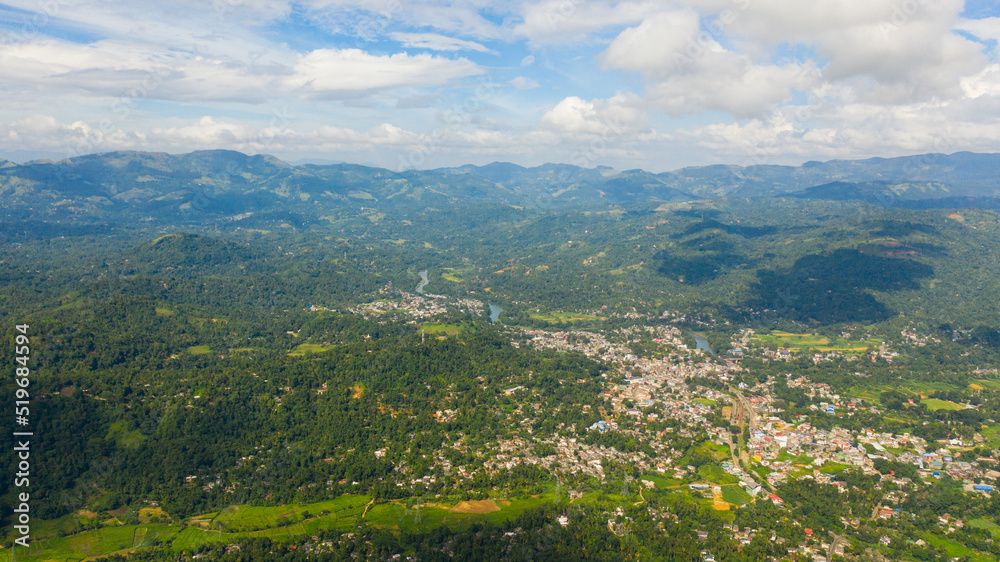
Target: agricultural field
x=456 y=274
x=817 y=343
x=63 y=540
x=199 y=349
x=556 y=316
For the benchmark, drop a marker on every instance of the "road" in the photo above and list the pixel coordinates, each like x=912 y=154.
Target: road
x=837 y=540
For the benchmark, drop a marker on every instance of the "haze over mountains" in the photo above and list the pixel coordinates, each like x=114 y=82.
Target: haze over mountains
x=160 y=186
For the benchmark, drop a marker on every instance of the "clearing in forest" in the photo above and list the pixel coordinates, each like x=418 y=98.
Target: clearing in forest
x=483 y=506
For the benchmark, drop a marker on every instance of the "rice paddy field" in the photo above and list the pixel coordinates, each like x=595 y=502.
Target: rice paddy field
x=274 y=522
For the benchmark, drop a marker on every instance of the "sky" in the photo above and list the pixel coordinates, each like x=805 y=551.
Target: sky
x=404 y=84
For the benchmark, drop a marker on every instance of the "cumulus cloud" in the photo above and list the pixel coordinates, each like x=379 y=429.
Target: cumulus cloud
x=795 y=80
x=329 y=72
x=616 y=116
x=688 y=71
x=894 y=52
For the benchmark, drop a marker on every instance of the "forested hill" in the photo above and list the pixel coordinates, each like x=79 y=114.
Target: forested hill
x=219 y=184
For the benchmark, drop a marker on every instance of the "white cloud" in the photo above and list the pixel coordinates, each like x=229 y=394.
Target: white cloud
x=986 y=83
x=893 y=51
x=571 y=21
x=687 y=71
x=985 y=28
x=613 y=117
x=881 y=76
x=436 y=42
x=331 y=72
x=136 y=71
x=661 y=45
x=523 y=83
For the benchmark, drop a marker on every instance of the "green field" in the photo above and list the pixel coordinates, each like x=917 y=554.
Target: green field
x=833 y=467
x=456 y=275
x=985 y=524
x=277 y=523
x=93 y=543
x=992 y=435
x=557 y=316
x=735 y=495
x=705 y=401
x=956 y=550
x=199 y=349
x=935 y=404
x=442 y=329
x=305 y=348
x=714 y=474
x=990 y=384
x=818 y=343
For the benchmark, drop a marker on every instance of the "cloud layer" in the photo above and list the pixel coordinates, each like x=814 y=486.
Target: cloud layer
x=653 y=84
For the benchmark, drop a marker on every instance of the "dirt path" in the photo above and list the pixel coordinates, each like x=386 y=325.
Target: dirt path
x=366 y=508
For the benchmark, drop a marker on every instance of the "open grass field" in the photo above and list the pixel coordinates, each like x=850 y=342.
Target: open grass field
x=717 y=451
x=662 y=482
x=439 y=329
x=735 y=495
x=915 y=389
x=935 y=404
x=992 y=435
x=199 y=349
x=305 y=348
x=987 y=524
x=559 y=316
x=714 y=474
x=816 y=342
x=456 y=274
x=705 y=401
x=956 y=550
x=833 y=467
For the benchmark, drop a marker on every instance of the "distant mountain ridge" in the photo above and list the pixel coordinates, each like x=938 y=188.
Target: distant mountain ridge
x=226 y=183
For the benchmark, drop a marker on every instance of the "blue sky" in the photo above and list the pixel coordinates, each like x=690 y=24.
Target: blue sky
x=630 y=84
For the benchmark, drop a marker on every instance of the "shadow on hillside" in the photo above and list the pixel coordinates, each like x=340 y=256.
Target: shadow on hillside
x=834 y=287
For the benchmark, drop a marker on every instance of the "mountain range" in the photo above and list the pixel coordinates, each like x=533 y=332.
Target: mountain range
x=226 y=184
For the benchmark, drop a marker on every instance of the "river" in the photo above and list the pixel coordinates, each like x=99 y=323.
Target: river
x=495 y=311
x=424 y=281
x=702 y=344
